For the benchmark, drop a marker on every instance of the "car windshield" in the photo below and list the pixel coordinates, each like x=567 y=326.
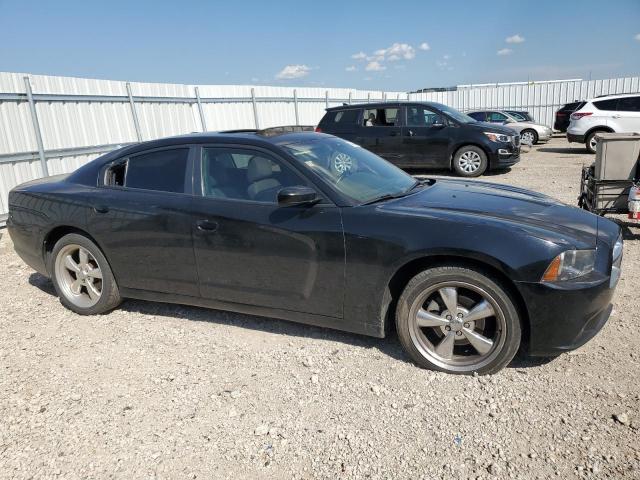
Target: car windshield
x=353 y=171
x=455 y=114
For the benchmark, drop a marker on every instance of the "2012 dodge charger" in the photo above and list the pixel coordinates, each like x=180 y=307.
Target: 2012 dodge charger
x=311 y=228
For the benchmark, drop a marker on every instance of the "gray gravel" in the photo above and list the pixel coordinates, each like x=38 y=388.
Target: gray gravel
x=155 y=390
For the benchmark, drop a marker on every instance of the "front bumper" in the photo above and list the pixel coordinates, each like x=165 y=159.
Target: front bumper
x=563 y=319
x=545 y=135
x=504 y=156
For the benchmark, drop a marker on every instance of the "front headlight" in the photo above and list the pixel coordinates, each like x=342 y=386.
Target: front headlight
x=616 y=262
x=569 y=265
x=498 y=137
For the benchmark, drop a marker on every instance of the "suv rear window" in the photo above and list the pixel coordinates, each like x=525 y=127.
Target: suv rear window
x=341 y=116
x=606 y=104
x=572 y=107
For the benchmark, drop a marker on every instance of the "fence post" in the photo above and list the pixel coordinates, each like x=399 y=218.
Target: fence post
x=36 y=127
x=295 y=105
x=349 y=98
x=202 y=120
x=255 y=109
x=369 y=97
x=326 y=99
x=134 y=114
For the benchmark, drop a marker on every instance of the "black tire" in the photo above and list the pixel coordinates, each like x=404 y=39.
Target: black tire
x=460 y=164
x=533 y=133
x=588 y=142
x=110 y=295
x=506 y=323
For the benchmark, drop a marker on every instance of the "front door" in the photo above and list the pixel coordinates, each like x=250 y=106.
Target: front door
x=250 y=250
x=426 y=137
x=142 y=216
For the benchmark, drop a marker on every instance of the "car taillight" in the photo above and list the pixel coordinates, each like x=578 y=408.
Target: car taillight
x=579 y=115
x=318 y=129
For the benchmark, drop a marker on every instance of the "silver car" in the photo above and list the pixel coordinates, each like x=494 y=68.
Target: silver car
x=530 y=133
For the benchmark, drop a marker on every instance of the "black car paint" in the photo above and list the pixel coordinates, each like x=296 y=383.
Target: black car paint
x=422 y=147
x=334 y=263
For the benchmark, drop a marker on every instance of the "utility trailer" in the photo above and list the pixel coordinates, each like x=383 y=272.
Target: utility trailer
x=611 y=184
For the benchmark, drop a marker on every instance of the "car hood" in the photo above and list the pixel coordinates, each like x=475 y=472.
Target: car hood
x=491 y=127
x=540 y=215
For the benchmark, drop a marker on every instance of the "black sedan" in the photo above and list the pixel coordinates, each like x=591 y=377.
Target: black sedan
x=312 y=228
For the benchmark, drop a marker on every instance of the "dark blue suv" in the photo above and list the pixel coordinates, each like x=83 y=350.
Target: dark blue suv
x=425 y=135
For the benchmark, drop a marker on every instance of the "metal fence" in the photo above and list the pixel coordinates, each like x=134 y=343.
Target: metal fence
x=51 y=125
x=541 y=99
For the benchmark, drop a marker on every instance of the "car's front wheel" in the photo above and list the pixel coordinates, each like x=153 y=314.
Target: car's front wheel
x=470 y=161
x=82 y=277
x=458 y=320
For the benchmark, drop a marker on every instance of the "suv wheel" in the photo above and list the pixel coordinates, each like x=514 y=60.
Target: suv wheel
x=470 y=161
x=592 y=143
x=458 y=320
x=82 y=277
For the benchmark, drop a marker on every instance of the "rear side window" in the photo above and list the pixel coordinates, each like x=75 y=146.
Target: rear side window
x=163 y=171
x=629 y=104
x=479 y=116
x=497 y=117
x=610 y=104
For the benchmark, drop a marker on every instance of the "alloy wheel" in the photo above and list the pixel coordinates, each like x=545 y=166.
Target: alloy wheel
x=469 y=161
x=457 y=326
x=342 y=163
x=79 y=276
x=593 y=143
x=527 y=137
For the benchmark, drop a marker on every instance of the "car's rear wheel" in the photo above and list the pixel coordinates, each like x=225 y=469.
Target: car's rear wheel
x=82 y=277
x=592 y=142
x=470 y=161
x=458 y=320
x=529 y=136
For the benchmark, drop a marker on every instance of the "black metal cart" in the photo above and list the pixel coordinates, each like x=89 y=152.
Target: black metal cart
x=603 y=196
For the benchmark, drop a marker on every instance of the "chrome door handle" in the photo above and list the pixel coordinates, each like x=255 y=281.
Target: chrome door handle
x=101 y=209
x=207 y=226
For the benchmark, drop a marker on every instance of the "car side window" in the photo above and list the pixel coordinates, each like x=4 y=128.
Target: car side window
x=479 y=116
x=381 y=117
x=346 y=116
x=497 y=117
x=423 y=117
x=240 y=174
x=610 y=104
x=161 y=170
x=629 y=104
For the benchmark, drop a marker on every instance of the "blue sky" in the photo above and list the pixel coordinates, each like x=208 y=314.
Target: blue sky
x=397 y=45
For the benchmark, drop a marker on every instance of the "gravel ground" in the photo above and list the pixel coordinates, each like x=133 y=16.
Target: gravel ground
x=155 y=390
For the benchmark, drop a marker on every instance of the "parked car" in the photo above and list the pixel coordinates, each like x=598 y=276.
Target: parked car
x=424 y=135
x=521 y=115
x=563 y=115
x=530 y=133
x=312 y=228
x=610 y=113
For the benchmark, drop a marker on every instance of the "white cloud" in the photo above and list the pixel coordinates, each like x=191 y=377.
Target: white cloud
x=424 y=46
x=293 y=71
x=517 y=38
x=359 y=56
x=446 y=57
x=637 y=37
x=504 y=51
x=375 y=66
x=351 y=68
x=397 y=51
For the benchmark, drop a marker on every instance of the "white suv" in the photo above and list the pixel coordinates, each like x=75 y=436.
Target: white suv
x=609 y=113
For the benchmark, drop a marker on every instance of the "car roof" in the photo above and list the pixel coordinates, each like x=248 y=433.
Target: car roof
x=251 y=137
x=613 y=95
x=391 y=103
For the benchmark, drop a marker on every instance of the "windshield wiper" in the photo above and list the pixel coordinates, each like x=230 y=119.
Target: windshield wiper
x=391 y=196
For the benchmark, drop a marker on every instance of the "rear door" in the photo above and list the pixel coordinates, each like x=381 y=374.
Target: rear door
x=142 y=216
x=381 y=133
x=628 y=114
x=426 y=137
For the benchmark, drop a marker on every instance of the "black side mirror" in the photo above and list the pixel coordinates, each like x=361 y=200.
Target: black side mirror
x=298 y=195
